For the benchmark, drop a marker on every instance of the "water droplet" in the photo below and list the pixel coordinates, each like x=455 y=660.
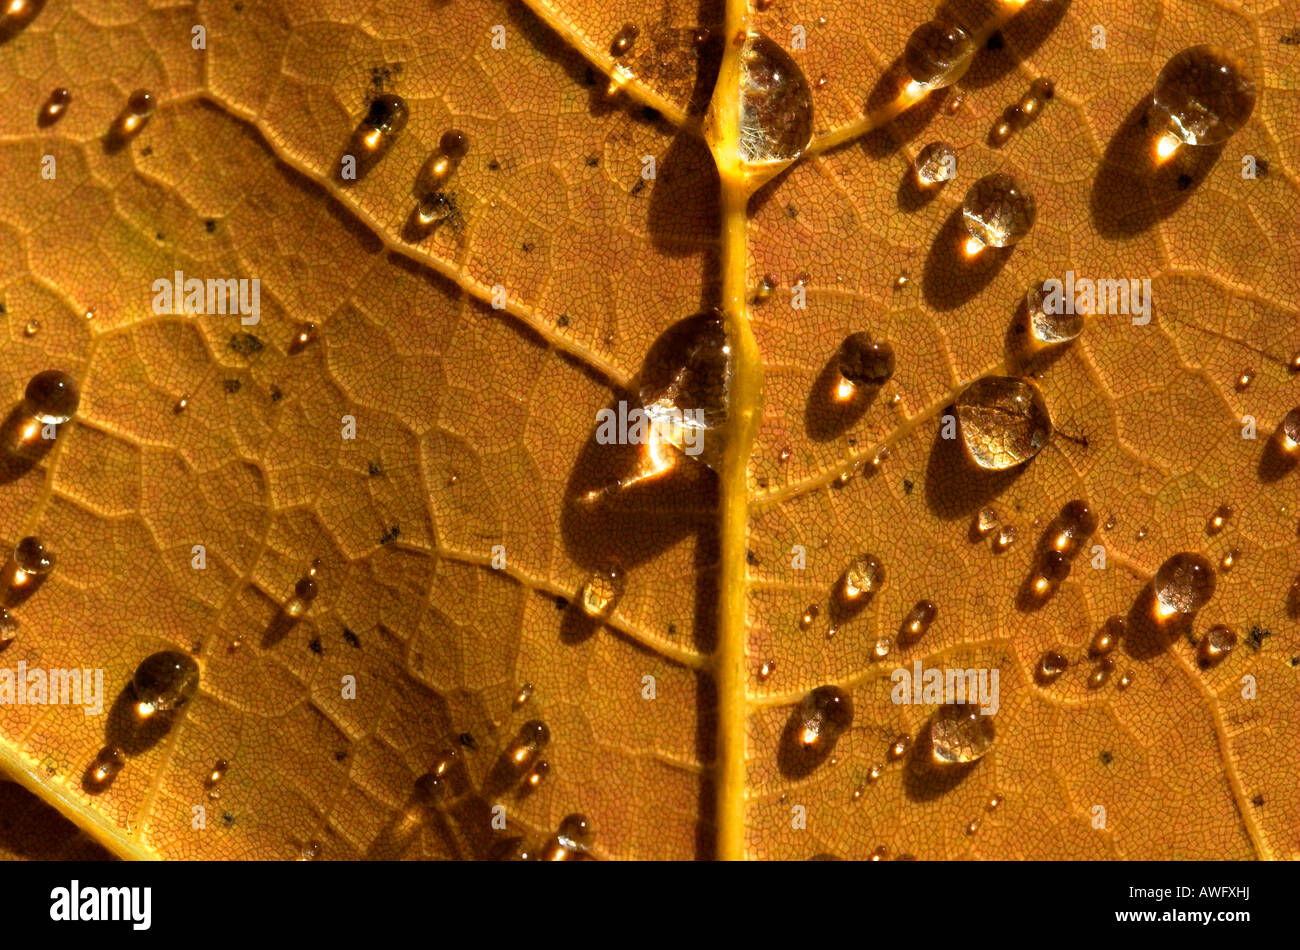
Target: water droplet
x=824 y=714
x=1294 y=365
x=1055 y=567
x=624 y=39
x=864 y=361
x=310 y=851
x=960 y=734
x=985 y=521
x=901 y=281
x=1229 y=560
x=881 y=649
x=881 y=456
x=537 y=773
x=1218 y=519
x=387 y=114
x=784 y=455
x=107 y=764
x=1126 y=680
x=57 y=103
x=874 y=773
x=1203 y=95
x=937 y=54
x=576 y=832
x=32 y=327
x=1215 y=645
x=52 y=396
x=181 y=404
x=165 y=681
x=685 y=386
x=1049 y=320
x=1107 y=638
x=1244 y=380
x=524 y=694
x=430 y=789
x=141 y=103
x=809 y=616
x=936 y=163
x=972 y=826
x=862 y=578
x=898 y=748
x=601 y=592
x=775 y=103
x=32 y=556
x=998 y=211
x=1183 y=585
x=1101 y=672
x=1291 y=430
x=1075 y=524
x=1006 y=537
x=9 y=626
x=454 y=143
x=528 y=744
x=995 y=800
x=1004 y=421
x=214 y=777
x=954 y=104
x=765 y=671
x=305 y=334
x=1050 y=666
x=880 y=854
x=918 y=621
x=304 y=592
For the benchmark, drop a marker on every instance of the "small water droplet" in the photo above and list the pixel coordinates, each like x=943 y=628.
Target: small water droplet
x=1291 y=430
x=918 y=621
x=823 y=714
x=107 y=764
x=998 y=211
x=874 y=773
x=898 y=748
x=1052 y=318
x=32 y=556
x=1075 y=524
x=1203 y=95
x=310 y=851
x=881 y=649
x=305 y=333
x=784 y=455
x=953 y=105
x=165 y=681
x=901 y=281
x=52 y=396
x=1004 y=421
x=387 y=114
x=985 y=521
x=1050 y=666
x=937 y=54
x=1101 y=672
x=454 y=143
x=1006 y=537
x=1215 y=645
x=9 y=627
x=304 y=592
x=765 y=671
x=32 y=327
x=1244 y=380
x=775 y=103
x=1229 y=560
x=936 y=163
x=1107 y=638
x=527 y=746
x=995 y=800
x=972 y=826
x=624 y=39
x=601 y=592
x=1218 y=519
x=141 y=103
x=862 y=578
x=1294 y=365
x=1054 y=568
x=1125 y=681
x=430 y=789
x=809 y=616
x=57 y=103
x=959 y=733
x=214 y=777
x=524 y=693
x=537 y=773
x=181 y=404
x=1183 y=585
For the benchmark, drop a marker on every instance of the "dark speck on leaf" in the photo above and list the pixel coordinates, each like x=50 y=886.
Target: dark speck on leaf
x=276 y=395
x=390 y=535
x=146 y=151
x=750 y=558
x=907 y=485
x=232 y=385
x=672 y=628
x=638 y=187
x=341 y=755
x=1258 y=801
x=468 y=741
x=245 y=344
x=792 y=211
x=210 y=225
x=1295 y=661
x=1106 y=757
x=526 y=247
x=1256 y=637
x=351 y=637
x=374 y=469
x=651 y=114
x=563 y=321
x=494 y=165
x=592 y=161
x=315 y=645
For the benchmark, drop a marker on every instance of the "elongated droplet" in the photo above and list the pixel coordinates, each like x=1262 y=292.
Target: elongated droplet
x=524 y=694
x=684 y=390
x=1216 y=645
x=1108 y=637
x=575 y=832
x=918 y=621
x=1218 y=519
x=985 y=521
x=1050 y=666
x=537 y=773
x=898 y=748
x=165 y=681
x=936 y=163
x=864 y=361
x=9 y=626
x=384 y=120
x=776 y=114
x=1290 y=430
x=528 y=744
x=1052 y=318
x=809 y=616
x=998 y=210
x=959 y=733
x=937 y=54
x=107 y=764
x=624 y=39
x=1203 y=95
x=1076 y=523
x=1004 y=421
x=601 y=592
x=217 y=773
x=57 y=103
x=862 y=578
x=824 y=714
x=1183 y=585
x=1006 y=537
x=31 y=556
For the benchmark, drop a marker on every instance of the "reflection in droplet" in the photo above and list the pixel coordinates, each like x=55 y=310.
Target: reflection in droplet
x=766 y=670
x=1050 y=666
x=1183 y=585
x=57 y=103
x=1107 y=638
x=165 y=681
x=985 y=521
x=864 y=361
x=823 y=716
x=998 y=211
x=107 y=764
x=1229 y=560
x=523 y=694
x=959 y=733
x=862 y=578
x=937 y=54
x=1290 y=430
x=624 y=39
x=936 y=163
x=304 y=593
x=1052 y=318
x=601 y=592
x=31 y=556
x=1004 y=421
x=536 y=774
x=775 y=103
x=532 y=739
x=1076 y=523
x=1203 y=95
x=1215 y=645
x=1006 y=537
x=918 y=621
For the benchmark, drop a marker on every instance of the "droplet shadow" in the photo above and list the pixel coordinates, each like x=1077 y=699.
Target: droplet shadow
x=950 y=277
x=925 y=779
x=1021 y=35
x=825 y=415
x=1145 y=637
x=795 y=758
x=954 y=486
x=1274 y=460
x=22 y=445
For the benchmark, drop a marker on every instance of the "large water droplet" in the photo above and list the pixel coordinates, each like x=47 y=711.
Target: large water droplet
x=165 y=681
x=601 y=592
x=1004 y=421
x=1203 y=95
x=31 y=556
x=775 y=103
x=684 y=388
x=1183 y=585
x=304 y=593
x=864 y=361
x=1050 y=666
x=959 y=733
x=1052 y=319
x=998 y=211
x=824 y=714
x=862 y=578
x=937 y=54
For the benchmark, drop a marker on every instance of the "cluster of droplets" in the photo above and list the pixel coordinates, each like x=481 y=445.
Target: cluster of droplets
x=1022 y=113
x=1071 y=529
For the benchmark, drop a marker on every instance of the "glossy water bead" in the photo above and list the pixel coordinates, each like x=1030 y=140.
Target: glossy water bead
x=998 y=211
x=1203 y=95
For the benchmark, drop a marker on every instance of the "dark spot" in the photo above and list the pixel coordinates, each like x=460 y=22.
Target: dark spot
x=1184 y=181
x=210 y=225
x=762 y=483
x=276 y=395
x=526 y=247
x=853 y=440
x=750 y=558
x=315 y=645
x=1258 y=801
x=468 y=741
x=651 y=114
x=561 y=603
x=638 y=187
x=592 y=161
x=672 y=628
x=1256 y=637
x=1295 y=661
x=390 y=535
x=146 y=151
x=907 y=486
x=341 y=755
x=227 y=817
x=232 y=385
x=792 y=211
x=351 y=637
x=159 y=236
x=1290 y=37
x=563 y=321
x=1106 y=757
x=589 y=77
x=245 y=344
x=494 y=165
x=995 y=40
x=374 y=469
x=1261 y=166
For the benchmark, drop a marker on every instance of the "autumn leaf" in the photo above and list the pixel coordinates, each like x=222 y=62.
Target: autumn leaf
x=433 y=614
